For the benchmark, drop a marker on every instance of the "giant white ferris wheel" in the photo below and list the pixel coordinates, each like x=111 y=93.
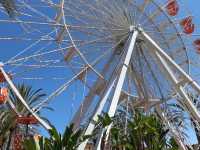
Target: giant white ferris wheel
x=118 y=51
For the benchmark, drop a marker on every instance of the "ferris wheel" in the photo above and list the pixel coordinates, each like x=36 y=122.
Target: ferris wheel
x=144 y=52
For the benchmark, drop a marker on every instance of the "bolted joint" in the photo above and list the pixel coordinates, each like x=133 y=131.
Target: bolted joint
x=133 y=28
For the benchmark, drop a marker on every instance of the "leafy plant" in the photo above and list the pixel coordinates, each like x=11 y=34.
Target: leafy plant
x=70 y=140
x=144 y=132
x=8 y=124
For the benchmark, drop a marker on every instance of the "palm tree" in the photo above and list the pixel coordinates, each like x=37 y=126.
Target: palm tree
x=144 y=132
x=8 y=124
x=196 y=100
x=70 y=140
x=178 y=114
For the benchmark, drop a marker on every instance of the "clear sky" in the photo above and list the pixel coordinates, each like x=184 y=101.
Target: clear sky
x=63 y=115
x=66 y=104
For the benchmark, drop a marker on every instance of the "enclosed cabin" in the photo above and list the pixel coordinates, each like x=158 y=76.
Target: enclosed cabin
x=196 y=44
x=187 y=25
x=3 y=95
x=172 y=7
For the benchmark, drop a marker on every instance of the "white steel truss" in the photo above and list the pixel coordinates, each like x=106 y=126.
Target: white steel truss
x=15 y=90
x=171 y=128
x=166 y=63
x=118 y=89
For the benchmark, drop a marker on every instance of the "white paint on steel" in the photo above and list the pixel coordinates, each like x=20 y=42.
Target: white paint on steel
x=165 y=61
x=171 y=129
x=118 y=89
x=99 y=110
x=172 y=62
x=42 y=122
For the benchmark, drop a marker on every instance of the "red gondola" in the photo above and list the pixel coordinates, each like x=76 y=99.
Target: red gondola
x=172 y=7
x=3 y=95
x=2 y=99
x=187 y=25
x=196 y=44
x=27 y=120
x=2 y=78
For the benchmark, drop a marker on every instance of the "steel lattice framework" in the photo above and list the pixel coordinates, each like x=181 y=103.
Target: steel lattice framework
x=120 y=52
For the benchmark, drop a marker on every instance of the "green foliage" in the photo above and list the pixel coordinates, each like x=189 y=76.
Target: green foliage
x=70 y=140
x=8 y=116
x=144 y=132
x=173 y=144
x=117 y=139
x=105 y=120
x=31 y=144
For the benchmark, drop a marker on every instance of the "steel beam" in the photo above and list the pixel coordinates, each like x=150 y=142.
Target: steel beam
x=15 y=90
x=171 y=129
x=120 y=82
x=98 y=112
x=165 y=63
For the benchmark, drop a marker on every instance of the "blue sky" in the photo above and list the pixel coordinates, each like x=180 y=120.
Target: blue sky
x=192 y=7
x=66 y=104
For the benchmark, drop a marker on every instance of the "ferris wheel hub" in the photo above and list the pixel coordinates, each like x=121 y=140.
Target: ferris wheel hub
x=136 y=28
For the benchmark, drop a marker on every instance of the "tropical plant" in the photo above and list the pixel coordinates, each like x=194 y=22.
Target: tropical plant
x=196 y=100
x=70 y=140
x=144 y=132
x=179 y=117
x=8 y=124
x=173 y=144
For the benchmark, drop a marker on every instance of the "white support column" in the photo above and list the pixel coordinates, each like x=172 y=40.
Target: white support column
x=179 y=88
x=118 y=89
x=89 y=98
x=172 y=62
x=42 y=122
x=98 y=145
x=164 y=62
x=99 y=110
x=171 y=129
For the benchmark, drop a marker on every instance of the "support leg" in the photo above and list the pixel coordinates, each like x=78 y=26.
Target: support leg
x=165 y=62
x=99 y=110
x=118 y=89
x=42 y=122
